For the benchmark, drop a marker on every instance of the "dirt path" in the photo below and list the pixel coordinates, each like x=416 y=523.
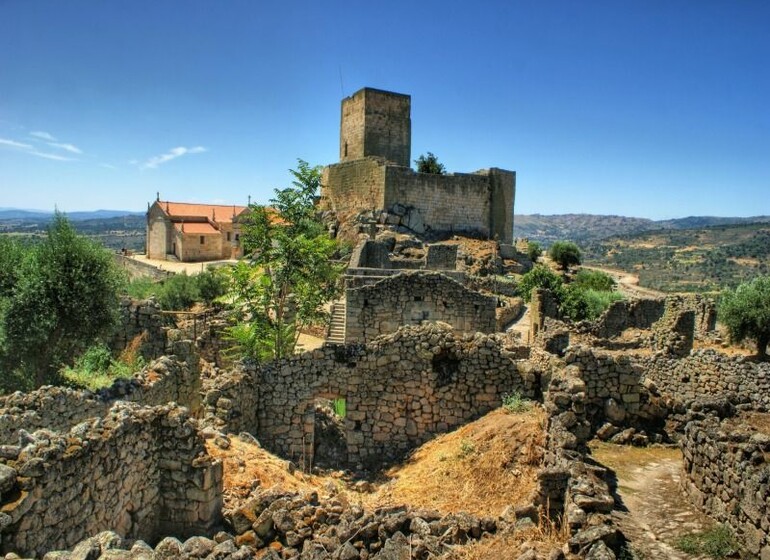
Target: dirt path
x=521 y=326
x=656 y=510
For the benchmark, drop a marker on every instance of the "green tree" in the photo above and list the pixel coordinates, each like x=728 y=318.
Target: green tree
x=565 y=254
x=429 y=164
x=539 y=277
x=534 y=250
x=291 y=272
x=745 y=311
x=65 y=298
x=594 y=280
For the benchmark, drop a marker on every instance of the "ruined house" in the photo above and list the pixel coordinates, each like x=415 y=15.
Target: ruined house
x=374 y=174
x=193 y=232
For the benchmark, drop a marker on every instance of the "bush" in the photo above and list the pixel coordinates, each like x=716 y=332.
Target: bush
x=534 y=250
x=565 y=254
x=178 y=292
x=539 y=277
x=96 y=368
x=594 y=280
x=211 y=285
x=142 y=288
x=578 y=303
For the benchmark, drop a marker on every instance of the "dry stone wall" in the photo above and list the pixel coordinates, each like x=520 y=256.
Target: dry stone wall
x=709 y=373
x=412 y=299
x=140 y=318
x=727 y=476
x=173 y=378
x=399 y=391
x=140 y=471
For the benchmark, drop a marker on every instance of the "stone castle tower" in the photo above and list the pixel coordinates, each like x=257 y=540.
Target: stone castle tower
x=376 y=123
x=374 y=175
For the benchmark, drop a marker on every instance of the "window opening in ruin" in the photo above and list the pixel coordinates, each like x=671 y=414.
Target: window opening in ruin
x=202 y=240
x=228 y=236
x=446 y=367
x=330 y=449
x=237 y=236
x=346 y=149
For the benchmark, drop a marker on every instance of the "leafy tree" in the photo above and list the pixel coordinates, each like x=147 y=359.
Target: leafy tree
x=429 y=164
x=534 y=250
x=539 y=277
x=745 y=311
x=64 y=299
x=290 y=274
x=565 y=254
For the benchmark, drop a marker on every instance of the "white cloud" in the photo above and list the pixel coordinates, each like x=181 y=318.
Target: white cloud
x=173 y=153
x=14 y=144
x=55 y=157
x=66 y=147
x=43 y=135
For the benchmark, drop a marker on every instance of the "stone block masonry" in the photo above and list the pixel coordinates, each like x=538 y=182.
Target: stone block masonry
x=140 y=471
x=727 y=475
x=399 y=390
x=412 y=299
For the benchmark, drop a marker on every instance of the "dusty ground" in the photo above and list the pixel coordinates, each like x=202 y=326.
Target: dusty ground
x=179 y=267
x=480 y=468
x=656 y=510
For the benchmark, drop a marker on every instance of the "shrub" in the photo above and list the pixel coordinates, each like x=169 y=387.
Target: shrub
x=211 y=285
x=142 y=288
x=96 y=368
x=745 y=311
x=578 y=303
x=178 y=292
x=594 y=280
x=534 y=250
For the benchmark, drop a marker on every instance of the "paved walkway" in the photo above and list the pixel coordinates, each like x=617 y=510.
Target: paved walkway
x=179 y=267
x=657 y=511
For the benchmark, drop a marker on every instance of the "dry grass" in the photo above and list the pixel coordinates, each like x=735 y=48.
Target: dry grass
x=750 y=422
x=480 y=468
x=509 y=544
x=247 y=466
x=622 y=458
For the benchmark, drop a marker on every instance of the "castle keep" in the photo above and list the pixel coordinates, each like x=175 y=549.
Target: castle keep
x=374 y=175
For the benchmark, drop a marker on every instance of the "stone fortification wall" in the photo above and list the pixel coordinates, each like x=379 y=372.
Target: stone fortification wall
x=399 y=391
x=412 y=299
x=169 y=379
x=709 y=373
x=140 y=471
x=726 y=468
x=453 y=203
x=140 y=318
x=139 y=269
x=357 y=185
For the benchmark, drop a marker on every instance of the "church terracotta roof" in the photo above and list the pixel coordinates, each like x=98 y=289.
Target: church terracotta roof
x=220 y=213
x=197 y=228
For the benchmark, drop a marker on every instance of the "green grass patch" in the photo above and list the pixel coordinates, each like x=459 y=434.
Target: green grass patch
x=515 y=403
x=96 y=368
x=716 y=542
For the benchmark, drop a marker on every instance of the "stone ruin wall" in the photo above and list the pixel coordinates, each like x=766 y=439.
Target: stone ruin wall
x=174 y=378
x=399 y=390
x=727 y=473
x=411 y=299
x=141 y=471
x=140 y=318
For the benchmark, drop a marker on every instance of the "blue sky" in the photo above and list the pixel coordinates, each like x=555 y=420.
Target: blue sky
x=647 y=108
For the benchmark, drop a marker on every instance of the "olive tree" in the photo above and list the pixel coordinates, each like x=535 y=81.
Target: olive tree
x=565 y=254
x=745 y=311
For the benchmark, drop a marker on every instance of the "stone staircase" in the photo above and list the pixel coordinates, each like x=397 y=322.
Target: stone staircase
x=337 y=325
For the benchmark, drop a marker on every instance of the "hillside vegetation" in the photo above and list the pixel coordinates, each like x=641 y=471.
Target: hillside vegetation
x=582 y=228
x=687 y=260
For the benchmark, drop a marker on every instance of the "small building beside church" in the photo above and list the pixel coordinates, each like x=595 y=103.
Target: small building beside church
x=193 y=232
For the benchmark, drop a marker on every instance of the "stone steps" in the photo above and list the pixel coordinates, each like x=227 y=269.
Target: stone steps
x=337 y=325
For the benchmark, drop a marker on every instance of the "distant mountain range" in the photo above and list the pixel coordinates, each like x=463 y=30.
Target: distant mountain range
x=19 y=214
x=583 y=228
